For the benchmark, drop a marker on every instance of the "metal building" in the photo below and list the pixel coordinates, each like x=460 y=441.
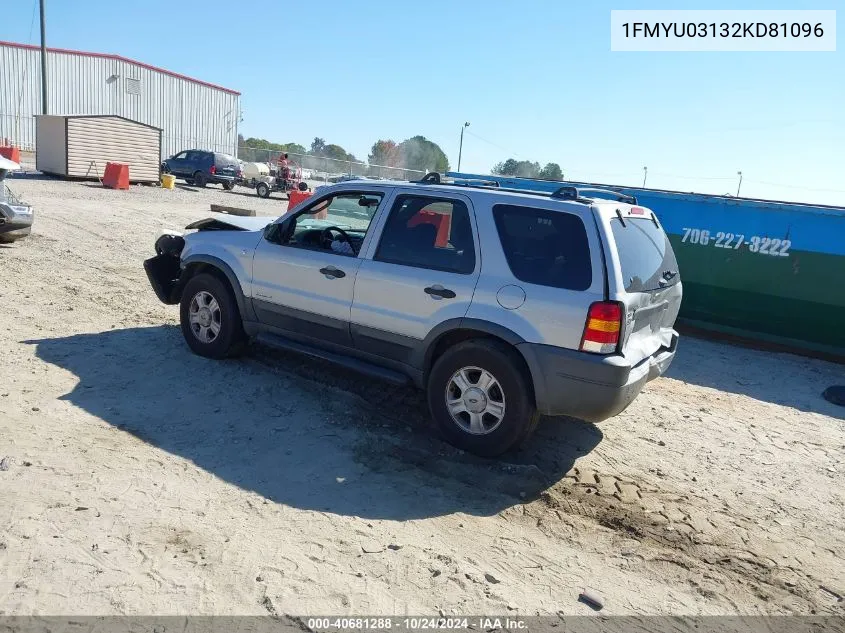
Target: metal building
x=191 y=113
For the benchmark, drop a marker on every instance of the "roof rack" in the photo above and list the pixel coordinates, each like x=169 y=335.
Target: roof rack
x=476 y=182
x=569 y=192
x=566 y=192
x=434 y=178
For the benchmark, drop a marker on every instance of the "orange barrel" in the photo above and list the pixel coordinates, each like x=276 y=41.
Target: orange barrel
x=116 y=176
x=12 y=153
x=297 y=196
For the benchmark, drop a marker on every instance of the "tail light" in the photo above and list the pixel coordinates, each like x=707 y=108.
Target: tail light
x=601 y=332
x=213 y=170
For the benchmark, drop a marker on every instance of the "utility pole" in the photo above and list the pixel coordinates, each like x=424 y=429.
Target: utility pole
x=43 y=62
x=739 y=173
x=645 y=175
x=461 y=146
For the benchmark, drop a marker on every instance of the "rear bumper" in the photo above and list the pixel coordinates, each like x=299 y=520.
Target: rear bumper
x=217 y=179
x=589 y=386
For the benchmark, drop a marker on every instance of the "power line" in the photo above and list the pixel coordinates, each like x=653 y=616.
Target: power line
x=775 y=184
x=658 y=173
x=505 y=149
x=32 y=21
x=26 y=68
x=664 y=174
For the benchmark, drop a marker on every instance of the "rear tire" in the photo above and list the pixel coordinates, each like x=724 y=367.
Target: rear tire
x=228 y=186
x=200 y=180
x=211 y=322
x=495 y=410
x=263 y=190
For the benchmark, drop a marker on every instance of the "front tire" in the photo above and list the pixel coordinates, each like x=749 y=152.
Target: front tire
x=211 y=322
x=480 y=397
x=200 y=180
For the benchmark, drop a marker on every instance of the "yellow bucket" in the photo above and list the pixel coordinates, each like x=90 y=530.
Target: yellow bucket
x=168 y=181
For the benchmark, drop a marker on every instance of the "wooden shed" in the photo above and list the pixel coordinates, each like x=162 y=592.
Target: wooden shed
x=79 y=146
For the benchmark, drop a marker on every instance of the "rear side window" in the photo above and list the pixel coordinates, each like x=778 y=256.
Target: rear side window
x=645 y=255
x=547 y=248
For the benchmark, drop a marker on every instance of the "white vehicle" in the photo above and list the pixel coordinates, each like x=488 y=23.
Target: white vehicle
x=265 y=179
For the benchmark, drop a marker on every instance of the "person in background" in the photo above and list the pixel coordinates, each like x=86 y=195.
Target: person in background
x=284 y=167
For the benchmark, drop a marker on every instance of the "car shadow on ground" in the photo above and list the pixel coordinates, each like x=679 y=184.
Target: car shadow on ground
x=31 y=174
x=775 y=377
x=301 y=433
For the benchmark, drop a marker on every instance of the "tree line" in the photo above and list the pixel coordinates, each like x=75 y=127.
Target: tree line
x=527 y=169
x=416 y=152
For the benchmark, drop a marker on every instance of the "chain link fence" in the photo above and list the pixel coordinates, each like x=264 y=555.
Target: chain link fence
x=15 y=130
x=328 y=169
x=318 y=168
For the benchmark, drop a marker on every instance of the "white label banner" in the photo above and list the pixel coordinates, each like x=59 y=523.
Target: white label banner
x=705 y=30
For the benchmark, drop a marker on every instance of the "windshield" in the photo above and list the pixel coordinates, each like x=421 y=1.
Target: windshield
x=645 y=255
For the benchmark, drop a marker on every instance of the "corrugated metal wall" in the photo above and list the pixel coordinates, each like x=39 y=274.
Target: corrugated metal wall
x=190 y=114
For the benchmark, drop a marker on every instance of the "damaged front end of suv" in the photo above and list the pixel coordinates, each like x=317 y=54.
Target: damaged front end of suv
x=168 y=271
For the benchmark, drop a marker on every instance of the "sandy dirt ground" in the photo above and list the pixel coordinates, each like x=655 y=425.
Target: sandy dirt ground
x=137 y=478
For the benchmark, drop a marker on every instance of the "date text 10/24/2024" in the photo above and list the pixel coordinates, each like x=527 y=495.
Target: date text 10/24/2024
x=761 y=245
x=422 y=623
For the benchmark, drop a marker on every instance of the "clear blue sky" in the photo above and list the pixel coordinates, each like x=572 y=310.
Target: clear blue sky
x=536 y=80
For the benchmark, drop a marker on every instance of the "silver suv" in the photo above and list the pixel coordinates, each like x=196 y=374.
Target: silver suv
x=501 y=304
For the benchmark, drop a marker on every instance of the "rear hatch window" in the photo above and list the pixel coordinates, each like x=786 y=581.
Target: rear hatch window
x=224 y=160
x=226 y=165
x=645 y=255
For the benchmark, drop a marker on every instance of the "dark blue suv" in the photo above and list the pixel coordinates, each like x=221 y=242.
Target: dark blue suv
x=200 y=167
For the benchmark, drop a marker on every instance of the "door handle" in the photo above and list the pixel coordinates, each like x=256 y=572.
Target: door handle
x=439 y=292
x=332 y=273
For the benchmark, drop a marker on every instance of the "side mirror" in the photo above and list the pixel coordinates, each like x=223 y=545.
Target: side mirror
x=276 y=232
x=284 y=230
